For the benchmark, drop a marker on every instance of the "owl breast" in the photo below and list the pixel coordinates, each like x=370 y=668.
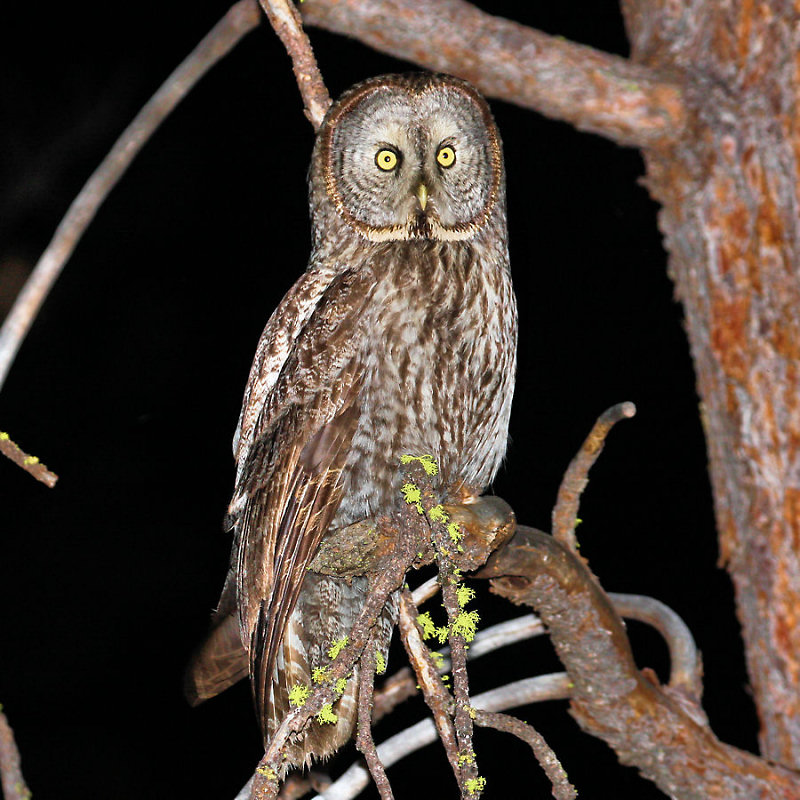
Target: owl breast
x=439 y=349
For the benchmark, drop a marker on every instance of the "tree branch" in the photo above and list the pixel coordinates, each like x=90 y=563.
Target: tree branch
x=611 y=698
x=436 y=695
x=397 y=747
x=562 y=788
x=29 y=463
x=14 y=786
x=410 y=532
x=597 y=92
x=240 y=19
x=686 y=666
x=565 y=513
x=364 y=741
x=285 y=19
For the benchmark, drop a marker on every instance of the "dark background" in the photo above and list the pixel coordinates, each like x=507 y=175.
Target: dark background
x=130 y=382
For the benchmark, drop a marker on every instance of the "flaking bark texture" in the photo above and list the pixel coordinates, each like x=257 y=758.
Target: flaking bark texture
x=729 y=191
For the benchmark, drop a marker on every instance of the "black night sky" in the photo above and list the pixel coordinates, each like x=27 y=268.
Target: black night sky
x=130 y=382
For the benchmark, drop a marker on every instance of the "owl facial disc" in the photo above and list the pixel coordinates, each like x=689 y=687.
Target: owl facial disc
x=412 y=157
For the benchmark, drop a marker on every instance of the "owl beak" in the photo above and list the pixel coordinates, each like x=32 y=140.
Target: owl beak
x=422 y=195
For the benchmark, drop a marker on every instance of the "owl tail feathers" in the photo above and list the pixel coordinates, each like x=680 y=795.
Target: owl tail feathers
x=220 y=662
x=320 y=739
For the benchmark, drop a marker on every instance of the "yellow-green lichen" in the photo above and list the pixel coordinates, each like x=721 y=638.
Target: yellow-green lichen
x=326 y=715
x=337 y=647
x=438 y=514
x=380 y=663
x=320 y=674
x=412 y=495
x=464 y=594
x=425 y=621
x=428 y=463
x=268 y=773
x=298 y=694
x=466 y=625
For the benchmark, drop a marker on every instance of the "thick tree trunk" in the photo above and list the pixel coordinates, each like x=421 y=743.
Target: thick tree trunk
x=729 y=191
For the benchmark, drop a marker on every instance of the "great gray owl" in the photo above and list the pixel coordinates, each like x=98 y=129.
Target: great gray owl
x=400 y=338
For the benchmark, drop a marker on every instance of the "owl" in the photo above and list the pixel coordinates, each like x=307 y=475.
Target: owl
x=400 y=338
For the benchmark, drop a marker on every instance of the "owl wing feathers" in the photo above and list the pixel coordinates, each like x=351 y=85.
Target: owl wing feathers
x=273 y=348
x=297 y=421
x=291 y=482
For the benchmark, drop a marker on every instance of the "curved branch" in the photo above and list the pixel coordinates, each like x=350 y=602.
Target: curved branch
x=597 y=92
x=611 y=699
x=562 y=788
x=240 y=19
x=285 y=19
x=565 y=513
x=685 y=664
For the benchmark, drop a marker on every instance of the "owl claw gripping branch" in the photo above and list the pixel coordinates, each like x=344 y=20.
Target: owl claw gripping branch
x=399 y=338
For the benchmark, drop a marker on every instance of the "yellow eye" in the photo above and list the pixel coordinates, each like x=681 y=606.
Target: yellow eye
x=446 y=156
x=386 y=160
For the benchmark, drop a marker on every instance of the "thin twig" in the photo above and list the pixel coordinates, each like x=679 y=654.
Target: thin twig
x=425 y=591
x=565 y=513
x=433 y=690
x=286 y=21
x=241 y=18
x=13 y=783
x=364 y=741
x=449 y=578
x=562 y=788
x=630 y=103
x=394 y=749
x=29 y=463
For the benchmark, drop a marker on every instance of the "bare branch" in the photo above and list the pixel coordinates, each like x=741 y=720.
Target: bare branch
x=565 y=513
x=425 y=591
x=14 y=786
x=597 y=92
x=394 y=749
x=562 y=788
x=611 y=698
x=436 y=695
x=686 y=666
x=285 y=19
x=364 y=741
x=29 y=463
x=240 y=19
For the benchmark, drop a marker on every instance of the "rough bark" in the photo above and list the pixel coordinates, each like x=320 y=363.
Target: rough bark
x=729 y=191
x=658 y=730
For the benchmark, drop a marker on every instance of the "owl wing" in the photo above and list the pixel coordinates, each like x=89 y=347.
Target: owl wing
x=222 y=660
x=291 y=478
x=273 y=348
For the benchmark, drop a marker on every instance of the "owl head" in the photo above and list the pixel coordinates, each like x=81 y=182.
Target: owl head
x=403 y=157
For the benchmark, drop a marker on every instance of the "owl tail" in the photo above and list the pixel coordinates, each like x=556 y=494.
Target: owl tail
x=220 y=662
x=308 y=638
